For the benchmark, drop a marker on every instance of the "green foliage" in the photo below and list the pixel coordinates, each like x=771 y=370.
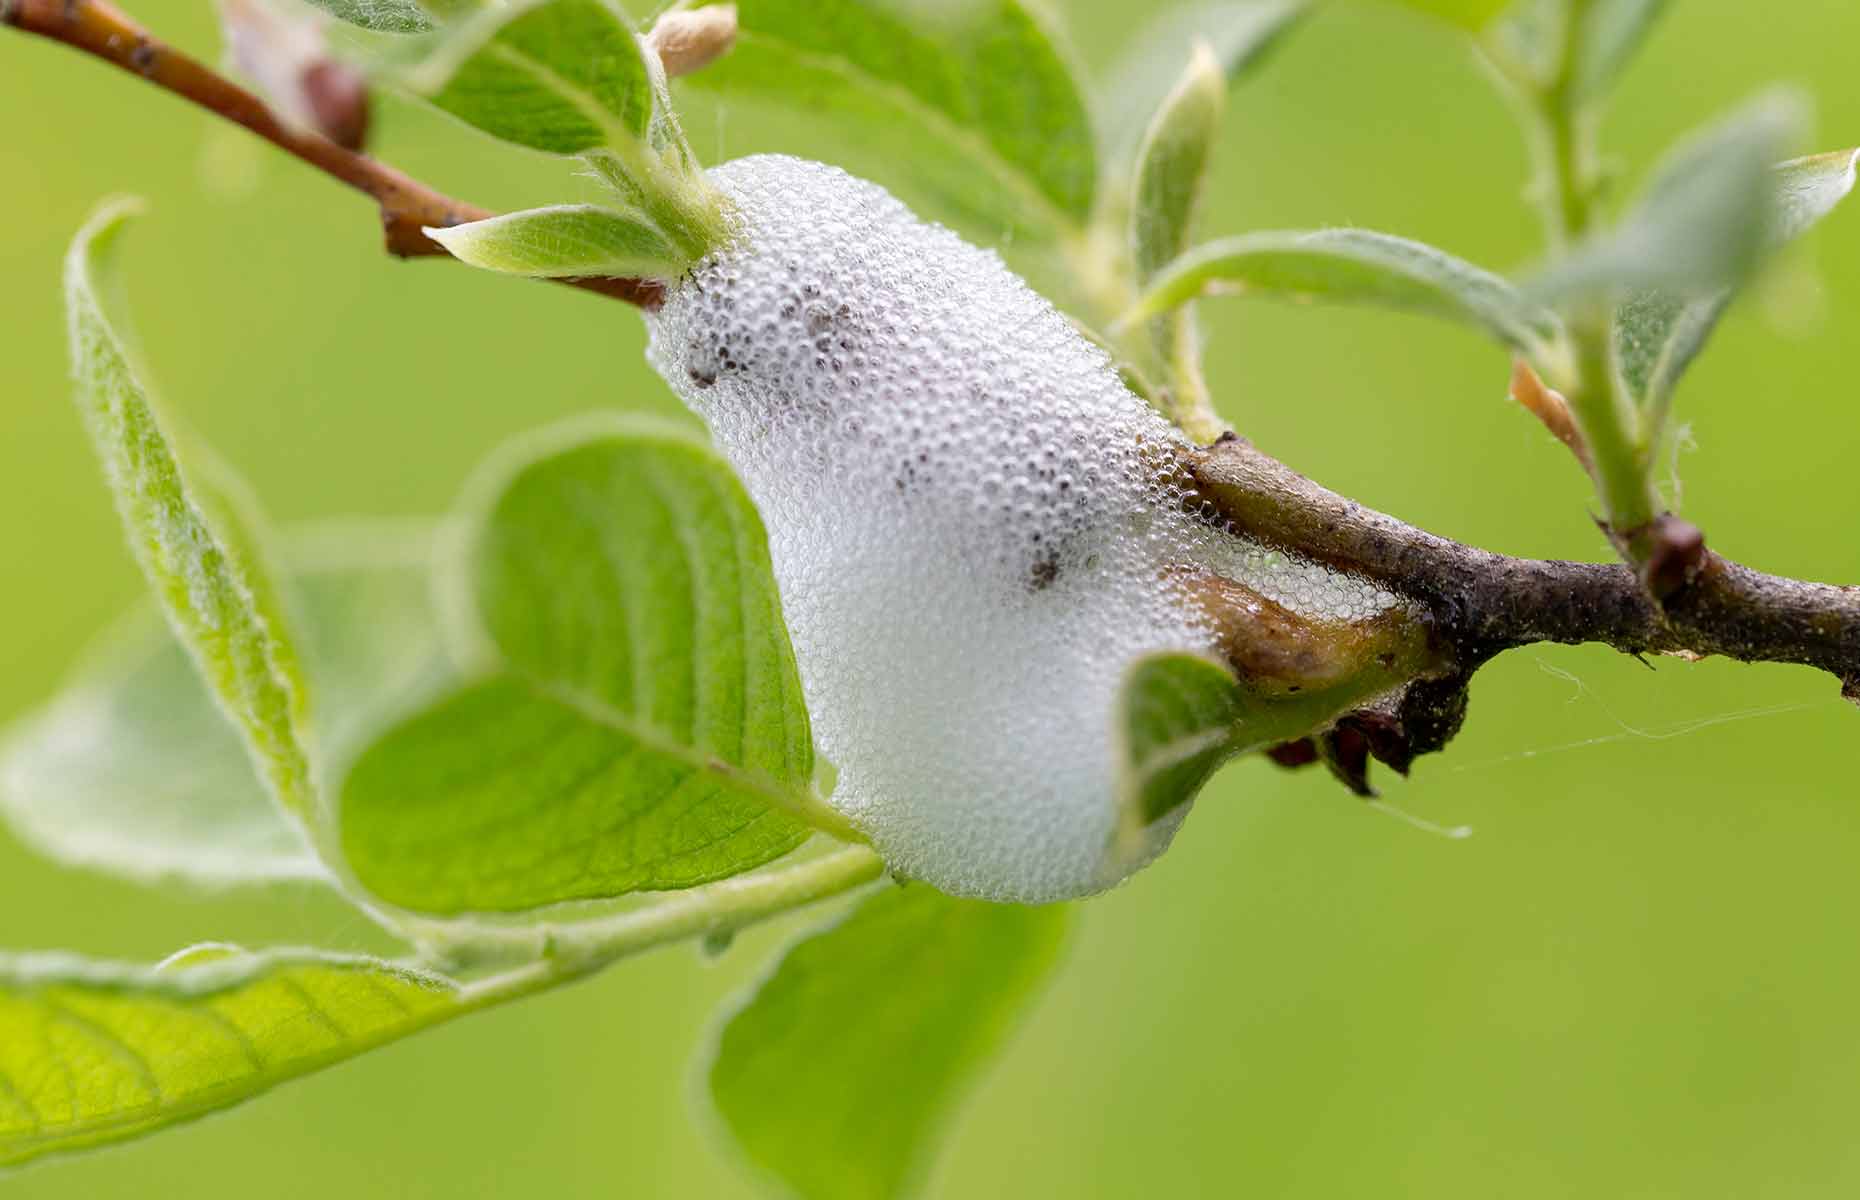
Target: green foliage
x=381 y=16
x=134 y=768
x=969 y=105
x=1574 y=48
x=192 y=544
x=1172 y=163
x=1172 y=170
x=565 y=76
x=1355 y=266
x=1181 y=714
x=565 y=240
x=632 y=720
x=1811 y=187
x=1707 y=219
x=1656 y=337
x=1612 y=33
x=1239 y=34
x=570 y=77
x=838 y=1073
x=1659 y=333
x=644 y=728
x=92 y=1053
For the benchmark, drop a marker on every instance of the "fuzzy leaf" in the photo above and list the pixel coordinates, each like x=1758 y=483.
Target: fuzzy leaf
x=643 y=728
x=93 y=1053
x=988 y=114
x=1811 y=187
x=133 y=768
x=1179 y=716
x=1658 y=333
x=840 y=1072
x=1240 y=33
x=1172 y=167
x=565 y=240
x=565 y=76
x=381 y=16
x=1172 y=163
x=1354 y=266
x=1612 y=35
x=1706 y=221
x=194 y=546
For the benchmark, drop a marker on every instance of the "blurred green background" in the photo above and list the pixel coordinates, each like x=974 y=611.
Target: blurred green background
x=1639 y=978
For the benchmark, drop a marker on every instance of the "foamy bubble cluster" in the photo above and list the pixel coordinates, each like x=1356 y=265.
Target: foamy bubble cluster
x=969 y=535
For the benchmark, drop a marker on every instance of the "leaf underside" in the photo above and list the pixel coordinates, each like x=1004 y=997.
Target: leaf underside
x=1658 y=333
x=1356 y=266
x=839 y=1073
x=135 y=770
x=565 y=240
x=187 y=531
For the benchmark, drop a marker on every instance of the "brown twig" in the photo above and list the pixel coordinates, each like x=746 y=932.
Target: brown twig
x=407 y=205
x=1481 y=603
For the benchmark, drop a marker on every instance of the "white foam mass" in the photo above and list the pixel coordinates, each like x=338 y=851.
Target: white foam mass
x=970 y=544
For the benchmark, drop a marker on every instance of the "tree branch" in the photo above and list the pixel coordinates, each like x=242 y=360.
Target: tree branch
x=1480 y=603
x=407 y=205
x=1684 y=599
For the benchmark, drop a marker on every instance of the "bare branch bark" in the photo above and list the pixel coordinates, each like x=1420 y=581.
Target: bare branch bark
x=1482 y=603
x=407 y=205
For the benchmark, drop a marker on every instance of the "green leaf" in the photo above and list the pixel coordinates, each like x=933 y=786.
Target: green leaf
x=1811 y=187
x=1179 y=721
x=1172 y=164
x=841 y=1070
x=133 y=768
x=1240 y=33
x=1172 y=167
x=1659 y=333
x=1706 y=221
x=93 y=1053
x=193 y=546
x=1534 y=37
x=970 y=105
x=644 y=725
x=381 y=16
x=565 y=240
x=565 y=76
x=1354 y=266
x=1612 y=34
x=503 y=798
x=1470 y=15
